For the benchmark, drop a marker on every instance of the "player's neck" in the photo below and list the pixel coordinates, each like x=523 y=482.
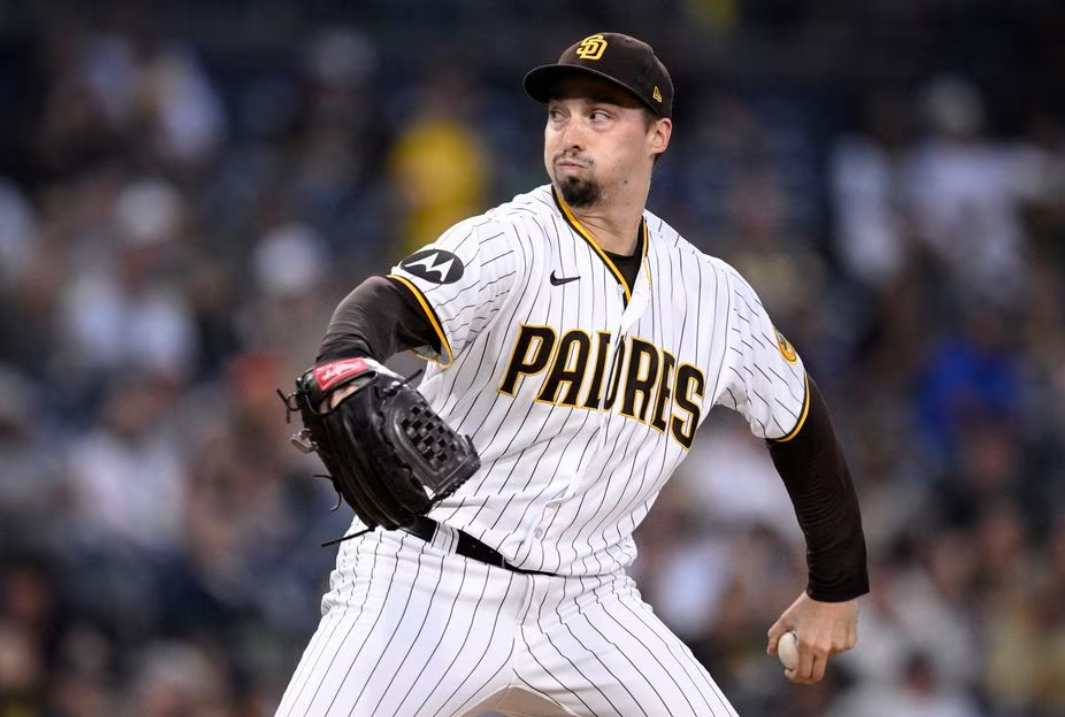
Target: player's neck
x=614 y=228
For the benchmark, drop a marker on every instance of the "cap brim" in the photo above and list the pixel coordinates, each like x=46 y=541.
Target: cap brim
x=539 y=81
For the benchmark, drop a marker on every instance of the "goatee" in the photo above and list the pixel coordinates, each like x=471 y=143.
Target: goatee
x=579 y=192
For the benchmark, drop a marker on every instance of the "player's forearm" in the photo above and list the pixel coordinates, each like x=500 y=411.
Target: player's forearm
x=818 y=480
x=377 y=319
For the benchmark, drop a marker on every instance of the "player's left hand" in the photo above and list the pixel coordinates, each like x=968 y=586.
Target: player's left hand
x=824 y=629
x=389 y=455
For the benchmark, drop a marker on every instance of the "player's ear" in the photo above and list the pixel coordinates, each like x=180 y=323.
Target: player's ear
x=658 y=135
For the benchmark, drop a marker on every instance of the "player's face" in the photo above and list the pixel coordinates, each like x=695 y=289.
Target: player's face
x=597 y=137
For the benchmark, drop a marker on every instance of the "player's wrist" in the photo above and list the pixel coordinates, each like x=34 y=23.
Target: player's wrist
x=838 y=593
x=345 y=347
x=330 y=382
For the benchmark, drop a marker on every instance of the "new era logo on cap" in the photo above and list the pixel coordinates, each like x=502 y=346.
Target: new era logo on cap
x=620 y=59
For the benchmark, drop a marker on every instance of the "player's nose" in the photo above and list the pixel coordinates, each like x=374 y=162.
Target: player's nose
x=572 y=135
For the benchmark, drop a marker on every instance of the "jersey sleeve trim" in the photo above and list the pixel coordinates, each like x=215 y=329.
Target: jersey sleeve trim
x=433 y=319
x=805 y=411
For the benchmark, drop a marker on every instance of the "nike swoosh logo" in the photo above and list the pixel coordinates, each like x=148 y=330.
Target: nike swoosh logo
x=560 y=280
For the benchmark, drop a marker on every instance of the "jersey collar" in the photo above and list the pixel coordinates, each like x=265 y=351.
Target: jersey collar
x=641 y=247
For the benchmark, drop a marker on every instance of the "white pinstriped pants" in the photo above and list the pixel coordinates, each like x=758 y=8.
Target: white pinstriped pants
x=410 y=629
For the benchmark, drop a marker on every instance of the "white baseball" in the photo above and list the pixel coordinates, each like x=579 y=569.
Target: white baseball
x=788 y=650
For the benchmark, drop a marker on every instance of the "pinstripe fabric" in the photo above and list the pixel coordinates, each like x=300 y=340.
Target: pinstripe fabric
x=562 y=487
x=596 y=648
x=407 y=629
x=412 y=630
x=574 y=450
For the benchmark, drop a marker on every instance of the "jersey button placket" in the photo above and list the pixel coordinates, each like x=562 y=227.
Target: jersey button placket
x=545 y=520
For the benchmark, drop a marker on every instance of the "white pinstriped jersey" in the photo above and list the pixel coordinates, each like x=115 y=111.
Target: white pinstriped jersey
x=582 y=394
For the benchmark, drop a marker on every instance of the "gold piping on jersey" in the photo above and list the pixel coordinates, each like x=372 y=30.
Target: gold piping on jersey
x=431 y=314
x=575 y=223
x=805 y=411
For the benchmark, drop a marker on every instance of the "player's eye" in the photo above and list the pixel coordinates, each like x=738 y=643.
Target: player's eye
x=599 y=115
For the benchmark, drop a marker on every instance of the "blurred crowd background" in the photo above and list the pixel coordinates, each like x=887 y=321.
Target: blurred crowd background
x=187 y=190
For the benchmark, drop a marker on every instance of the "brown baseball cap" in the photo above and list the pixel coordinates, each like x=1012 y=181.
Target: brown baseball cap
x=623 y=60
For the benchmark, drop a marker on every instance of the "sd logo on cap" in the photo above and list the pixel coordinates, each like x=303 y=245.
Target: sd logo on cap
x=630 y=63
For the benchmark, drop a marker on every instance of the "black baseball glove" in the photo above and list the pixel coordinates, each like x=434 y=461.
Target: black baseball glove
x=389 y=455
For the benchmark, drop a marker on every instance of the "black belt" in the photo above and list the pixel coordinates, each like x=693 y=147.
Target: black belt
x=468 y=546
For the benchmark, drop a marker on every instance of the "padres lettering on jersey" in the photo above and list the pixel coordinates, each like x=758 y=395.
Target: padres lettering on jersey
x=598 y=387
x=572 y=378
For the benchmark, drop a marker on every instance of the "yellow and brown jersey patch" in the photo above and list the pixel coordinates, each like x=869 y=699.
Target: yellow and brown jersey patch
x=786 y=349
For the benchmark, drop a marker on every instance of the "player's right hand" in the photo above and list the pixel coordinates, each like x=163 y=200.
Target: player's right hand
x=824 y=629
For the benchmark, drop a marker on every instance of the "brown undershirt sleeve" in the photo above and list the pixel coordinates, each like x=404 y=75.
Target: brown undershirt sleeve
x=379 y=318
x=819 y=483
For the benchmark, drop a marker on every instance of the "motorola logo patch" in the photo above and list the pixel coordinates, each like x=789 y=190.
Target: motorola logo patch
x=435 y=265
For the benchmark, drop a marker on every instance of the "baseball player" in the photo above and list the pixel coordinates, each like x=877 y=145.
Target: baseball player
x=578 y=342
